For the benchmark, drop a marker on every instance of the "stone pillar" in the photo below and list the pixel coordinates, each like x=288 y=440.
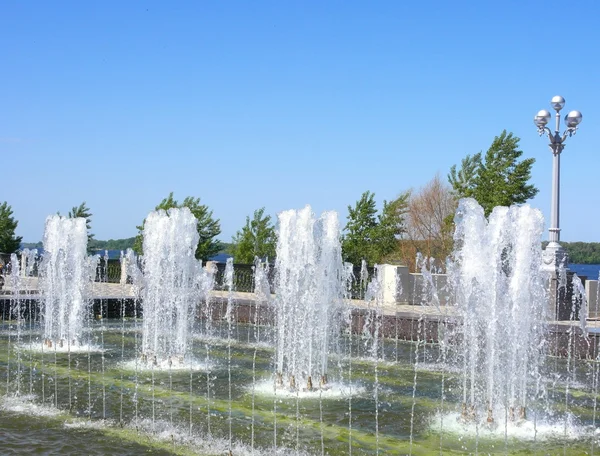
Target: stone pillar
x=591 y=294
x=554 y=292
x=555 y=261
x=389 y=280
x=560 y=302
x=123 y=279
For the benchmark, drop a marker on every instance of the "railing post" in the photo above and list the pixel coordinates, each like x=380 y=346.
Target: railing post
x=123 y=279
x=390 y=283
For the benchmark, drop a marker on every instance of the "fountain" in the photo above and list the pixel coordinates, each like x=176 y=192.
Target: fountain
x=501 y=297
x=173 y=282
x=262 y=293
x=309 y=291
x=470 y=370
x=66 y=274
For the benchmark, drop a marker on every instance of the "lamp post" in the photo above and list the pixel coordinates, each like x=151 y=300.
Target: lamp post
x=555 y=255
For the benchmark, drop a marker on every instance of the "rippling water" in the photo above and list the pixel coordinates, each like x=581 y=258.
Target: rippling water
x=101 y=403
x=26 y=434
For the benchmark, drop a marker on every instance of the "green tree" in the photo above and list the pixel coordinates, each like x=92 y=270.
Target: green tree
x=360 y=230
x=82 y=211
x=112 y=244
x=256 y=239
x=391 y=226
x=581 y=252
x=370 y=236
x=208 y=228
x=498 y=179
x=9 y=243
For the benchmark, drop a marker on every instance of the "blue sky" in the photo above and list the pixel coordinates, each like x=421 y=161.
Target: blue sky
x=282 y=104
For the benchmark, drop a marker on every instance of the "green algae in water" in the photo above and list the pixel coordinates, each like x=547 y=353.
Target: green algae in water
x=298 y=424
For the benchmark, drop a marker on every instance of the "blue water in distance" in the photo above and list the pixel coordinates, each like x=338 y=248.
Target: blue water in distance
x=221 y=258
x=588 y=270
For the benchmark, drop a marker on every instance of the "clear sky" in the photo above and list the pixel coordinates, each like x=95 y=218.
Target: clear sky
x=281 y=104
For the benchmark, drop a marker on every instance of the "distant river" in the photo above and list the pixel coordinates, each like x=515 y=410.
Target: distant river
x=588 y=270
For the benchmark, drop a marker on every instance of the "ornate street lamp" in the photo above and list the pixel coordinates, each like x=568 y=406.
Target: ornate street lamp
x=555 y=255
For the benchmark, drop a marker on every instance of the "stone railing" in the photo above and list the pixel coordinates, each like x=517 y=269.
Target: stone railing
x=399 y=286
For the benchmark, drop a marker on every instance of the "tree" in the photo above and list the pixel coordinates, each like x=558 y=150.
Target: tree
x=360 y=230
x=208 y=228
x=429 y=223
x=391 y=226
x=256 y=239
x=499 y=179
x=83 y=211
x=113 y=244
x=369 y=236
x=9 y=243
x=581 y=252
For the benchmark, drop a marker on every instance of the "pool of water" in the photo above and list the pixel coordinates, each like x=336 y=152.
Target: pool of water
x=407 y=400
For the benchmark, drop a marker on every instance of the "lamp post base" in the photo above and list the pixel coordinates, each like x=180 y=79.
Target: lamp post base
x=555 y=257
x=556 y=263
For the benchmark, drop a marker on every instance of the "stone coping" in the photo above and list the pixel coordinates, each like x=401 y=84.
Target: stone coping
x=102 y=290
